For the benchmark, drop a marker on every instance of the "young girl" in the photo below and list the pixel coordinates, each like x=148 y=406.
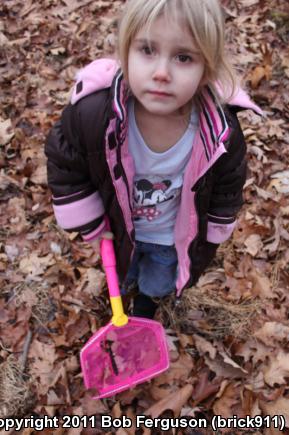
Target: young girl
x=152 y=145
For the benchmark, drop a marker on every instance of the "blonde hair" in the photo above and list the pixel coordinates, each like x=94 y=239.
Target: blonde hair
x=205 y=21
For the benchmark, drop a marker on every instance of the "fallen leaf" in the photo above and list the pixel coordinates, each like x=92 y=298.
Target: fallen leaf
x=91 y=282
x=253 y=244
x=178 y=370
x=224 y=370
x=229 y=398
x=229 y=361
x=5 y=131
x=175 y=401
x=253 y=350
x=261 y=285
x=272 y=331
x=17 y=215
x=33 y=265
x=39 y=176
x=280 y=182
x=277 y=370
x=259 y=73
x=204 y=346
x=205 y=387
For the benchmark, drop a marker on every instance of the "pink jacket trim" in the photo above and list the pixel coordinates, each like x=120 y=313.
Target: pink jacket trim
x=95 y=234
x=219 y=233
x=80 y=212
x=67 y=196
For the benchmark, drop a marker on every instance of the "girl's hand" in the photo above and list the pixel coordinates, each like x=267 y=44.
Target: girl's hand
x=96 y=242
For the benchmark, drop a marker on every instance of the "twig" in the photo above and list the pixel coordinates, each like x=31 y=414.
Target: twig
x=81 y=307
x=26 y=347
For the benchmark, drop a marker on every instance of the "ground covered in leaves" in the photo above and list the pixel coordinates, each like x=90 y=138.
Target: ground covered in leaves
x=229 y=337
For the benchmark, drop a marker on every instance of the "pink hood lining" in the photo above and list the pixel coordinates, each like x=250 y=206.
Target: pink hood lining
x=94 y=76
x=242 y=99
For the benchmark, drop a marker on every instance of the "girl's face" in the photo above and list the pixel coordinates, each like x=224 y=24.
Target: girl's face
x=165 y=68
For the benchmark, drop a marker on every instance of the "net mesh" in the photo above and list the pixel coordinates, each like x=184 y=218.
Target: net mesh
x=120 y=357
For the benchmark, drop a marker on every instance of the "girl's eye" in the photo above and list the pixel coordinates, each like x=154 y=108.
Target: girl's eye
x=147 y=50
x=184 y=58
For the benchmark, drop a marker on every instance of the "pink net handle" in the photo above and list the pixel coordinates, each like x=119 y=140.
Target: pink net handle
x=109 y=264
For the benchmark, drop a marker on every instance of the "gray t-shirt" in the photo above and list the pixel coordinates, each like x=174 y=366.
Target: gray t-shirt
x=158 y=182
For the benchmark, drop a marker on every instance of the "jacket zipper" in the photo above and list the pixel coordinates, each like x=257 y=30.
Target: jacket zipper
x=119 y=161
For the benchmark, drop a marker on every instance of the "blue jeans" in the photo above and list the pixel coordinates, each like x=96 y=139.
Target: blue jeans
x=153 y=269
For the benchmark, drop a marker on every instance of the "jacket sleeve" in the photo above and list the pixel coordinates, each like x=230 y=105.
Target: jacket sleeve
x=229 y=176
x=76 y=201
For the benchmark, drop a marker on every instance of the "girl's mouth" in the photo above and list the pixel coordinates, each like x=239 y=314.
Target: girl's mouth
x=159 y=93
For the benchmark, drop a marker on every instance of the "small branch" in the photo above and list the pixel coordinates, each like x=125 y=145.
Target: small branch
x=26 y=347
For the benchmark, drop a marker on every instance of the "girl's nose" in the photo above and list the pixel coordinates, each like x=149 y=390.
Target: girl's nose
x=161 y=71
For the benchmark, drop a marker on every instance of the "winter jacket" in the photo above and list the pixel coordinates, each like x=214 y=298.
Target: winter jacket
x=90 y=171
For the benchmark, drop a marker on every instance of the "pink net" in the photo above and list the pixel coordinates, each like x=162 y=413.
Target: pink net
x=116 y=358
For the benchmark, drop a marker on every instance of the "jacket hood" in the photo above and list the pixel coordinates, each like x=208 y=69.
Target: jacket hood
x=96 y=75
x=241 y=99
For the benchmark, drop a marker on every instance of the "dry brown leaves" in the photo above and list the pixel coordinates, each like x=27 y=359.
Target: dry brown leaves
x=229 y=338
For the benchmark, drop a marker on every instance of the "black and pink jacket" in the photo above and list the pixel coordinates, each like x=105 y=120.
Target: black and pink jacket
x=90 y=171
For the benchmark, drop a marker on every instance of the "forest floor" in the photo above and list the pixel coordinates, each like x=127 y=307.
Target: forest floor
x=229 y=337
